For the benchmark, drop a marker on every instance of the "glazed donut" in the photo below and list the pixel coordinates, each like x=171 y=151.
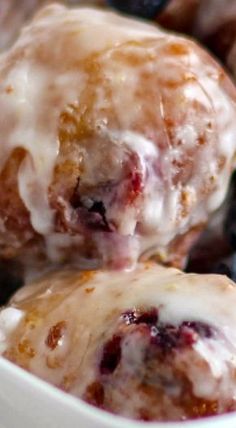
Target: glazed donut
x=117 y=139
x=179 y=15
x=151 y=344
x=216 y=27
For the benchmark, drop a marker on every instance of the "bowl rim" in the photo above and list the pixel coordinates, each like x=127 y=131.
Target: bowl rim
x=95 y=415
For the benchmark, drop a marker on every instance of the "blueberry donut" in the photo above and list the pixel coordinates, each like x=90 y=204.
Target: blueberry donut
x=154 y=344
x=117 y=140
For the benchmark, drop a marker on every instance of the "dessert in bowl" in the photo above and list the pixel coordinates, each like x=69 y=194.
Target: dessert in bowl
x=139 y=344
x=117 y=144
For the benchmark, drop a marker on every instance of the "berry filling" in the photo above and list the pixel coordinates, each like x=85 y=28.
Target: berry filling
x=99 y=208
x=144 y=8
x=91 y=213
x=145 y=358
x=111 y=356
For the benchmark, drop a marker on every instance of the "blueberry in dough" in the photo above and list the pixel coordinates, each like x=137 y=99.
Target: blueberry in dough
x=143 y=8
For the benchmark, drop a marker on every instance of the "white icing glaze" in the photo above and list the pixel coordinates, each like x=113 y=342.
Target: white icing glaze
x=9 y=320
x=24 y=122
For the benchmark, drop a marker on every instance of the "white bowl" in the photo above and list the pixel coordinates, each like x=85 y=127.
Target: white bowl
x=28 y=402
